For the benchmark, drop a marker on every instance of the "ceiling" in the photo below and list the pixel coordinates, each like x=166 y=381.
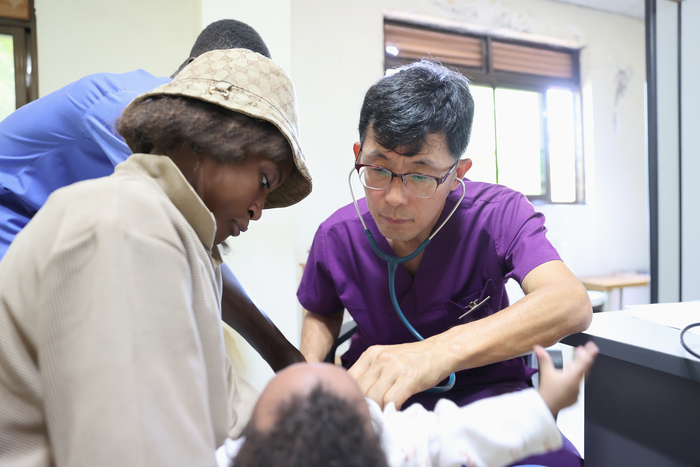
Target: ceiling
x=633 y=8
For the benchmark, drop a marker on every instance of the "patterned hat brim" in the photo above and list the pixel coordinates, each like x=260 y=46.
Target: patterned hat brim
x=230 y=88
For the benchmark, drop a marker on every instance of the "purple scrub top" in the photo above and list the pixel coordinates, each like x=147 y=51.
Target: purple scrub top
x=494 y=235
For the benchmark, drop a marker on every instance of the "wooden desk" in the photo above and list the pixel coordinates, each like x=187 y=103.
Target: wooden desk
x=608 y=283
x=641 y=399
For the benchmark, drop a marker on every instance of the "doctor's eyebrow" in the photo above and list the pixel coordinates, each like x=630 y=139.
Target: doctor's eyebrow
x=416 y=160
x=424 y=162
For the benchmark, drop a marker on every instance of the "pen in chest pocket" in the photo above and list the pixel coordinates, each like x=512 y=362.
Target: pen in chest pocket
x=474 y=305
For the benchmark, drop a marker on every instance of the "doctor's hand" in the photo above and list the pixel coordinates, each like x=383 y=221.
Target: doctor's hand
x=393 y=373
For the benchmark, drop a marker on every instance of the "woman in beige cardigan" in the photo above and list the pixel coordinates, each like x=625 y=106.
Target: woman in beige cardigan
x=110 y=337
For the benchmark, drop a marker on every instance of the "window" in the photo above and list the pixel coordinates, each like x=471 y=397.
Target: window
x=527 y=125
x=18 y=74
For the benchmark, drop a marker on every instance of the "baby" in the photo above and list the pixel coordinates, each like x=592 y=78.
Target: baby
x=316 y=415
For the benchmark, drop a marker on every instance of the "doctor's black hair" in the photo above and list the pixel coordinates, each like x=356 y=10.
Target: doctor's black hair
x=226 y=34
x=420 y=99
x=316 y=430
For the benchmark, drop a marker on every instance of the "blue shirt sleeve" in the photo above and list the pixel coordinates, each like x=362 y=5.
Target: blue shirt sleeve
x=99 y=124
x=65 y=137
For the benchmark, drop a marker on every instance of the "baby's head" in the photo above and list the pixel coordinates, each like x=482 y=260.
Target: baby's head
x=311 y=415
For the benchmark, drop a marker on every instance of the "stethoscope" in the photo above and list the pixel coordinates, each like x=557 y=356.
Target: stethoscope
x=393 y=263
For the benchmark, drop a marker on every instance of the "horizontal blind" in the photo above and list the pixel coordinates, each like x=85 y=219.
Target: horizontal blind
x=413 y=43
x=15 y=9
x=531 y=60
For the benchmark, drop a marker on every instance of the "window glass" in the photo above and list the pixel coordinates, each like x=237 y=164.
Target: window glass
x=518 y=140
x=562 y=144
x=7 y=76
x=482 y=144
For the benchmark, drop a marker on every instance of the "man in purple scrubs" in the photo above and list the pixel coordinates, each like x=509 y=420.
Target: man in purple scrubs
x=418 y=122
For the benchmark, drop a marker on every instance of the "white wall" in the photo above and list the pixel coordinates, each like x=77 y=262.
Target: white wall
x=270 y=18
x=79 y=37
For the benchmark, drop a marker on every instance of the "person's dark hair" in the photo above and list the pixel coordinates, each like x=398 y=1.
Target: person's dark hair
x=318 y=430
x=226 y=34
x=169 y=122
x=420 y=99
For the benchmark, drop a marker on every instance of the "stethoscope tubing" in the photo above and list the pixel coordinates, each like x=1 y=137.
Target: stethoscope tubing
x=393 y=264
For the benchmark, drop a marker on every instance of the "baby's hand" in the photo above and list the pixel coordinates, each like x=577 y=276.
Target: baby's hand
x=559 y=388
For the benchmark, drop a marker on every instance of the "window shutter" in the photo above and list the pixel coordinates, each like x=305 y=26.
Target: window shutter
x=414 y=43
x=15 y=9
x=531 y=60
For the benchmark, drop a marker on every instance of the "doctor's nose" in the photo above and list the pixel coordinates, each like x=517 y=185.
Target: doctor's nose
x=396 y=193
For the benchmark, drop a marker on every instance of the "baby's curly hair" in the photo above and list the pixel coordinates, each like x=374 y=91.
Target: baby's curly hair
x=169 y=122
x=318 y=430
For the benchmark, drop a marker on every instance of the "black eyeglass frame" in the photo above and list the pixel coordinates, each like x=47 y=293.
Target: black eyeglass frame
x=439 y=180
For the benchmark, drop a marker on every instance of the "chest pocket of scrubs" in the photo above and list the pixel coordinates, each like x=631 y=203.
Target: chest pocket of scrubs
x=474 y=305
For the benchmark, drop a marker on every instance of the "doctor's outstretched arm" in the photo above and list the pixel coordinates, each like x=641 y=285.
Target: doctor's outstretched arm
x=556 y=305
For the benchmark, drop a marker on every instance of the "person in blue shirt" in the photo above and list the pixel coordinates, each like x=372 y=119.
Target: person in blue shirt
x=70 y=135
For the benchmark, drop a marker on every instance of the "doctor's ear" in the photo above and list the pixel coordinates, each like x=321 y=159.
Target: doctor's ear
x=356 y=149
x=462 y=168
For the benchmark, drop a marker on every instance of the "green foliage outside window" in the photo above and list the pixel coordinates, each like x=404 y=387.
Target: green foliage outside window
x=7 y=76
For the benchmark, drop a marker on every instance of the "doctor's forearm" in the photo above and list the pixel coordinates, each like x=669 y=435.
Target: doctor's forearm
x=552 y=310
x=239 y=312
x=318 y=334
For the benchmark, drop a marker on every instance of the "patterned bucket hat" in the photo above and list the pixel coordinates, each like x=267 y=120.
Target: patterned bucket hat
x=251 y=84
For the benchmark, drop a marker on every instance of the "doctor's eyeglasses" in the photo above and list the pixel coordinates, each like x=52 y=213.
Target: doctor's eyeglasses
x=418 y=185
